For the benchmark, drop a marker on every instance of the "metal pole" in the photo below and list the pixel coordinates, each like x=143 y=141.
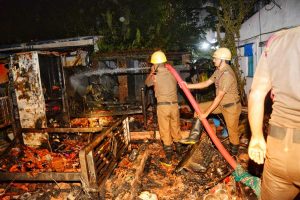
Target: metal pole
x=144 y=107
x=153 y=105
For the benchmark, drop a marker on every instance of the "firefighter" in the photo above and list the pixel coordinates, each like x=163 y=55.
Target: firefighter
x=278 y=70
x=227 y=100
x=165 y=88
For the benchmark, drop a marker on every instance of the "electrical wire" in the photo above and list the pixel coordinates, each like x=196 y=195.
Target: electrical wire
x=250 y=38
x=259 y=20
x=274 y=4
x=268 y=9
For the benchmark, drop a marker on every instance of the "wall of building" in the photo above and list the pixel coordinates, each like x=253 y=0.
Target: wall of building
x=29 y=95
x=262 y=25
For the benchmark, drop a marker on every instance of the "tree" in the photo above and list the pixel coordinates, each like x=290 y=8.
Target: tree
x=126 y=24
x=163 y=24
x=230 y=16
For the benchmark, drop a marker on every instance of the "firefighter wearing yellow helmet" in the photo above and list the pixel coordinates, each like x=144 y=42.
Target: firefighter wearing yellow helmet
x=158 y=57
x=222 y=53
x=165 y=88
x=227 y=100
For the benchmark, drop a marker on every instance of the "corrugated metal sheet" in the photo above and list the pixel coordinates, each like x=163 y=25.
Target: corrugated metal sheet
x=51 y=44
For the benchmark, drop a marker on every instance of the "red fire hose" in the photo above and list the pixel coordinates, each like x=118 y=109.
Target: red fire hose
x=205 y=123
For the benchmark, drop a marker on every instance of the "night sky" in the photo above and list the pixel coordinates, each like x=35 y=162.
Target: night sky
x=148 y=24
x=33 y=20
x=36 y=20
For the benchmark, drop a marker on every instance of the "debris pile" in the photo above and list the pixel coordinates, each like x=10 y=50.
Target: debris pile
x=124 y=183
x=136 y=123
x=42 y=191
x=161 y=182
x=62 y=157
x=91 y=122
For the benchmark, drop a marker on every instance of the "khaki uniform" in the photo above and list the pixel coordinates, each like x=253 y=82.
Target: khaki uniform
x=165 y=87
x=230 y=105
x=279 y=70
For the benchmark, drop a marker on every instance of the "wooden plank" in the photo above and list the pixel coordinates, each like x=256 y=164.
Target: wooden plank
x=115 y=113
x=149 y=135
x=84 y=169
x=91 y=168
x=130 y=180
x=43 y=176
x=141 y=162
x=62 y=130
x=144 y=135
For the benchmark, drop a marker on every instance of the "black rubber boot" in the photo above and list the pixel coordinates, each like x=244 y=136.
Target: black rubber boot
x=194 y=134
x=233 y=149
x=167 y=160
x=178 y=150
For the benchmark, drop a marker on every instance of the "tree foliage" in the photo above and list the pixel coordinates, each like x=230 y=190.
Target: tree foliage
x=165 y=24
x=126 y=24
x=228 y=17
x=231 y=17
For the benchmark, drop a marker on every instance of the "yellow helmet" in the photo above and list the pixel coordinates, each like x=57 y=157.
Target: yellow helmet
x=222 y=53
x=158 y=57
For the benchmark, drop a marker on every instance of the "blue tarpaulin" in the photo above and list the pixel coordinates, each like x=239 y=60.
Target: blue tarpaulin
x=248 y=50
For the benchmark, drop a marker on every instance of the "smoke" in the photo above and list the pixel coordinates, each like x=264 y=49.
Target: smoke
x=79 y=81
x=79 y=85
x=101 y=72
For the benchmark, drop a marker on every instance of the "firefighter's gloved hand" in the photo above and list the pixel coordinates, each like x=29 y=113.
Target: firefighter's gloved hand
x=257 y=149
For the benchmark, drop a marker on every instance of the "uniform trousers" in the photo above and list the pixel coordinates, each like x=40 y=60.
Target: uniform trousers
x=281 y=174
x=169 y=123
x=231 y=115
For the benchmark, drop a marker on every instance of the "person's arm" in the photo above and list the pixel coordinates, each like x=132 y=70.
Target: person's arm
x=226 y=81
x=215 y=103
x=257 y=146
x=201 y=85
x=150 y=78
